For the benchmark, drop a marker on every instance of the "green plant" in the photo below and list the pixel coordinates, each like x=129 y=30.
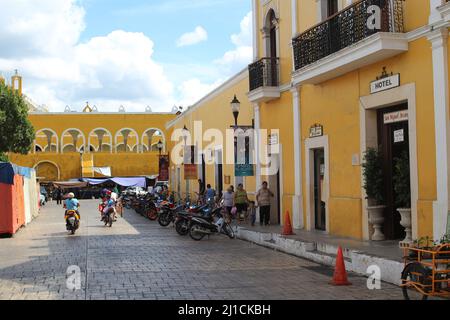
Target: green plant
x=16 y=132
x=374 y=175
x=402 y=185
x=445 y=239
x=4 y=157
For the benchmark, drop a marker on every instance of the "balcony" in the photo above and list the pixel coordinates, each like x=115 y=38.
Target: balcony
x=364 y=33
x=264 y=80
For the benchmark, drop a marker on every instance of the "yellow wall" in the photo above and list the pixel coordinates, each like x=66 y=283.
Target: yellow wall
x=122 y=163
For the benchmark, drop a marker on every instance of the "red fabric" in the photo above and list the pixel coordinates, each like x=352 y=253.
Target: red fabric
x=12 y=210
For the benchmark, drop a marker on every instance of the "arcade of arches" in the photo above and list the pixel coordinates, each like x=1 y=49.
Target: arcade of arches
x=125 y=142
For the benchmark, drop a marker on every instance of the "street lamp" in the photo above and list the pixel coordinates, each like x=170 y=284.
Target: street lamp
x=185 y=134
x=235 y=107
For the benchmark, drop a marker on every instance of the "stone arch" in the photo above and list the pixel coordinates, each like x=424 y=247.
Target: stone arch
x=150 y=139
x=74 y=134
x=126 y=134
x=49 y=141
x=48 y=171
x=100 y=134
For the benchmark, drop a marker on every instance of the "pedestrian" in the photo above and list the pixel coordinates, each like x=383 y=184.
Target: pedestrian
x=228 y=200
x=241 y=201
x=210 y=194
x=263 y=198
x=59 y=195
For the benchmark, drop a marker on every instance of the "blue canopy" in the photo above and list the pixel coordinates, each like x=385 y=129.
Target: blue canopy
x=9 y=170
x=124 y=182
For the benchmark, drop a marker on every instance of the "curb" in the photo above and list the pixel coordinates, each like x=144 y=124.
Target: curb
x=325 y=254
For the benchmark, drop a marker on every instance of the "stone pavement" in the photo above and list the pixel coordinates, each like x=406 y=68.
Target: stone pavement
x=138 y=259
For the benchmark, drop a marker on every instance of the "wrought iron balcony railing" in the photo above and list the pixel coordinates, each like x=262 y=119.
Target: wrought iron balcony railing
x=346 y=28
x=264 y=73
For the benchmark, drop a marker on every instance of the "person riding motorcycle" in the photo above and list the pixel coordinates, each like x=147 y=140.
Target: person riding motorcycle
x=71 y=204
x=109 y=207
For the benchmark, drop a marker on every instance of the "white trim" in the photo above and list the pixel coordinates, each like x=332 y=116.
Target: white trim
x=51 y=162
x=119 y=132
x=439 y=41
x=297 y=200
x=110 y=139
x=225 y=86
x=255 y=30
x=54 y=134
x=294 y=8
x=258 y=144
x=310 y=146
x=164 y=141
x=264 y=94
x=67 y=131
x=375 y=48
x=369 y=131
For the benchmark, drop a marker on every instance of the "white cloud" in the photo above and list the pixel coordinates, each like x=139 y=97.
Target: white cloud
x=194 y=37
x=234 y=60
x=193 y=90
x=43 y=42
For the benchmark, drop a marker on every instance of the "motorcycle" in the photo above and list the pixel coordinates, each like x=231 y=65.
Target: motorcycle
x=203 y=226
x=72 y=221
x=183 y=219
x=108 y=217
x=168 y=213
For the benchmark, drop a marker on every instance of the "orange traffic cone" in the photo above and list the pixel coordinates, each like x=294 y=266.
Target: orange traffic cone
x=340 y=274
x=287 y=229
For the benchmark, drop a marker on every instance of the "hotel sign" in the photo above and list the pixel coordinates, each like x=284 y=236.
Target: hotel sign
x=395 y=117
x=385 y=84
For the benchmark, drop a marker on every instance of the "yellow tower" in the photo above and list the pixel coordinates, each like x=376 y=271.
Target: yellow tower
x=87 y=109
x=16 y=81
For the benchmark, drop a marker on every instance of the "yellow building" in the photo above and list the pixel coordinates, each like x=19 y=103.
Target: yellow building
x=333 y=78
x=71 y=145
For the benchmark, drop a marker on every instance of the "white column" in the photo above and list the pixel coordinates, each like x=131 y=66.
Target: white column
x=257 y=115
x=439 y=41
x=294 y=17
x=255 y=30
x=435 y=16
x=297 y=204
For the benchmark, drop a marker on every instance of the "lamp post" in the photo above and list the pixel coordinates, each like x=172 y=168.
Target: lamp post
x=235 y=108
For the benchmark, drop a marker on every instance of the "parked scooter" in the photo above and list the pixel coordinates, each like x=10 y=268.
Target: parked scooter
x=183 y=219
x=72 y=221
x=202 y=226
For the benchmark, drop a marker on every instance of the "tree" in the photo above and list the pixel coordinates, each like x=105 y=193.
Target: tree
x=16 y=131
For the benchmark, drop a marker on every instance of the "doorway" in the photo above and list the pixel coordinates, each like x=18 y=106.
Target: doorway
x=319 y=193
x=275 y=187
x=219 y=173
x=393 y=139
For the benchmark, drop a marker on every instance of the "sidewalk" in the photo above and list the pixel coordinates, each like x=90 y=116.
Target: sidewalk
x=322 y=248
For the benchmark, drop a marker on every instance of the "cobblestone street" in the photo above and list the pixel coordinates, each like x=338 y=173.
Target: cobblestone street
x=138 y=259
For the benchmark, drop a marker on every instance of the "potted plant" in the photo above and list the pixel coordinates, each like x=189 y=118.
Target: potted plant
x=374 y=187
x=444 y=246
x=402 y=189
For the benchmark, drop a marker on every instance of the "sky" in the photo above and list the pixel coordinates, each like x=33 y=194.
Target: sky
x=135 y=53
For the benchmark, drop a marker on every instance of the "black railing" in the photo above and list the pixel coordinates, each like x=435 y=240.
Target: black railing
x=264 y=73
x=347 y=27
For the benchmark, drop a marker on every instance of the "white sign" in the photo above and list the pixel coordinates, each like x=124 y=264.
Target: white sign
x=316 y=131
x=385 y=84
x=399 y=136
x=394 y=117
x=273 y=139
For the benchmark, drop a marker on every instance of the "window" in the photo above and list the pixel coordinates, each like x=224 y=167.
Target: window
x=333 y=7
